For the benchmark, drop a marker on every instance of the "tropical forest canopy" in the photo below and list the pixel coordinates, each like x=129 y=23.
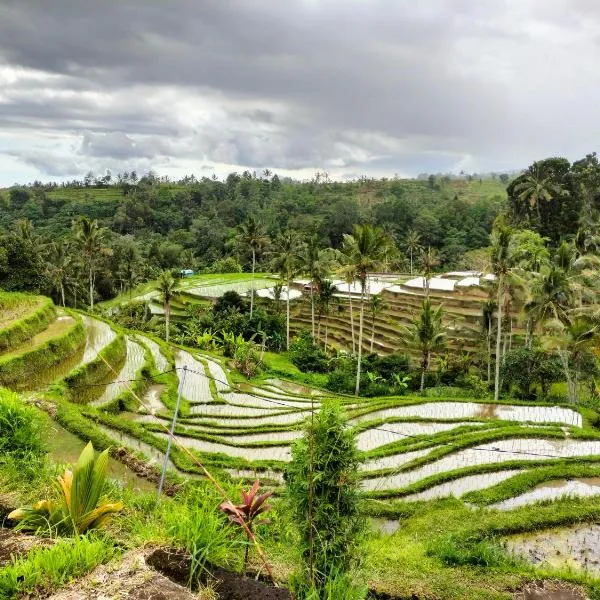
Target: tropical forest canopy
x=148 y=224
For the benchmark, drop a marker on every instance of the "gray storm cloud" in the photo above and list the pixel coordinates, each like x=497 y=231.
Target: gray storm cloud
x=376 y=87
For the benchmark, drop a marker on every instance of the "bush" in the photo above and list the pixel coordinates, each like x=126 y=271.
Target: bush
x=323 y=491
x=524 y=368
x=307 y=355
x=21 y=427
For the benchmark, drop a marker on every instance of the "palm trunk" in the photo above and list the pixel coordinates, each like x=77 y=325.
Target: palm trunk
x=351 y=320
x=252 y=283
x=312 y=310
x=498 y=339
x=372 y=334
x=489 y=357
x=62 y=293
x=360 y=337
x=425 y=366
x=411 y=261
x=167 y=320
x=91 y=289
x=287 y=321
x=326 y=331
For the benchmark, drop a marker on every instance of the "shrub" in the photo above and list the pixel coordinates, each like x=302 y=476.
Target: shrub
x=323 y=491
x=246 y=359
x=21 y=427
x=524 y=368
x=307 y=355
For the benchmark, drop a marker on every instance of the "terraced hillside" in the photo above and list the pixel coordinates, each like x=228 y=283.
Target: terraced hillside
x=462 y=318
x=119 y=389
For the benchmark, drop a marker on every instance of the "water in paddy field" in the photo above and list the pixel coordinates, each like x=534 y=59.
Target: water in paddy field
x=494 y=452
x=575 y=547
x=65 y=448
x=477 y=410
x=160 y=360
x=553 y=490
x=394 y=432
x=121 y=381
x=196 y=386
x=459 y=487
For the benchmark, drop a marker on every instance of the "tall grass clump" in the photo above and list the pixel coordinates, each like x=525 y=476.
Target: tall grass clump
x=21 y=427
x=45 y=569
x=196 y=524
x=323 y=494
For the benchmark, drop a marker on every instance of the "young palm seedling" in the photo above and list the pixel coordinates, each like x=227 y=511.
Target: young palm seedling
x=246 y=514
x=80 y=507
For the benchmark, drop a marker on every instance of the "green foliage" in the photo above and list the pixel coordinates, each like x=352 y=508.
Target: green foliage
x=246 y=358
x=524 y=369
x=95 y=371
x=81 y=507
x=307 y=355
x=247 y=514
x=196 y=525
x=45 y=569
x=22 y=365
x=24 y=328
x=456 y=550
x=21 y=427
x=323 y=491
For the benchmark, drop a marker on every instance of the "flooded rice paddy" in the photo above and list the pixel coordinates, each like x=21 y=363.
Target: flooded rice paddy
x=459 y=487
x=475 y=410
x=196 y=387
x=134 y=361
x=495 y=452
x=553 y=490
x=160 y=361
x=576 y=547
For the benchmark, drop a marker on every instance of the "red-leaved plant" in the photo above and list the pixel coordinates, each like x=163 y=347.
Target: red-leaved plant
x=246 y=514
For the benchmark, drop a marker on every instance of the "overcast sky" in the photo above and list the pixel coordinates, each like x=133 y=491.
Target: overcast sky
x=375 y=87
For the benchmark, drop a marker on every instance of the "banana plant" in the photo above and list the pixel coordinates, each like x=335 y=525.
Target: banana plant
x=246 y=514
x=80 y=507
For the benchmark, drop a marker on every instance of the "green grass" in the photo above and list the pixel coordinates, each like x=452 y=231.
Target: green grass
x=47 y=569
x=21 y=317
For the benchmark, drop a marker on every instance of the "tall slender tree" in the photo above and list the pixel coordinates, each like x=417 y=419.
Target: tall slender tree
x=286 y=262
x=429 y=261
x=376 y=306
x=90 y=239
x=500 y=256
x=428 y=333
x=167 y=288
x=366 y=249
x=326 y=293
x=412 y=242
x=59 y=268
x=253 y=236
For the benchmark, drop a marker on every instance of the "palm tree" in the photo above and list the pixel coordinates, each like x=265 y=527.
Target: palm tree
x=574 y=344
x=429 y=261
x=552 y=298
x=535 y=187
x=253 y=236
x=349 y=276
x=500 y=256
x=326 y=293
x=309 y=258
x=487 y=328
x=58 y=267
x=412 y=242
x=89 y=237
x=428 y=333
x=366 y=249
x=376 y=306
x=166 y=287
x=286 y=261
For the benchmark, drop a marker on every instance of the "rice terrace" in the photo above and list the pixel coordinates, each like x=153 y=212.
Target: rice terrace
x=299 y=300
